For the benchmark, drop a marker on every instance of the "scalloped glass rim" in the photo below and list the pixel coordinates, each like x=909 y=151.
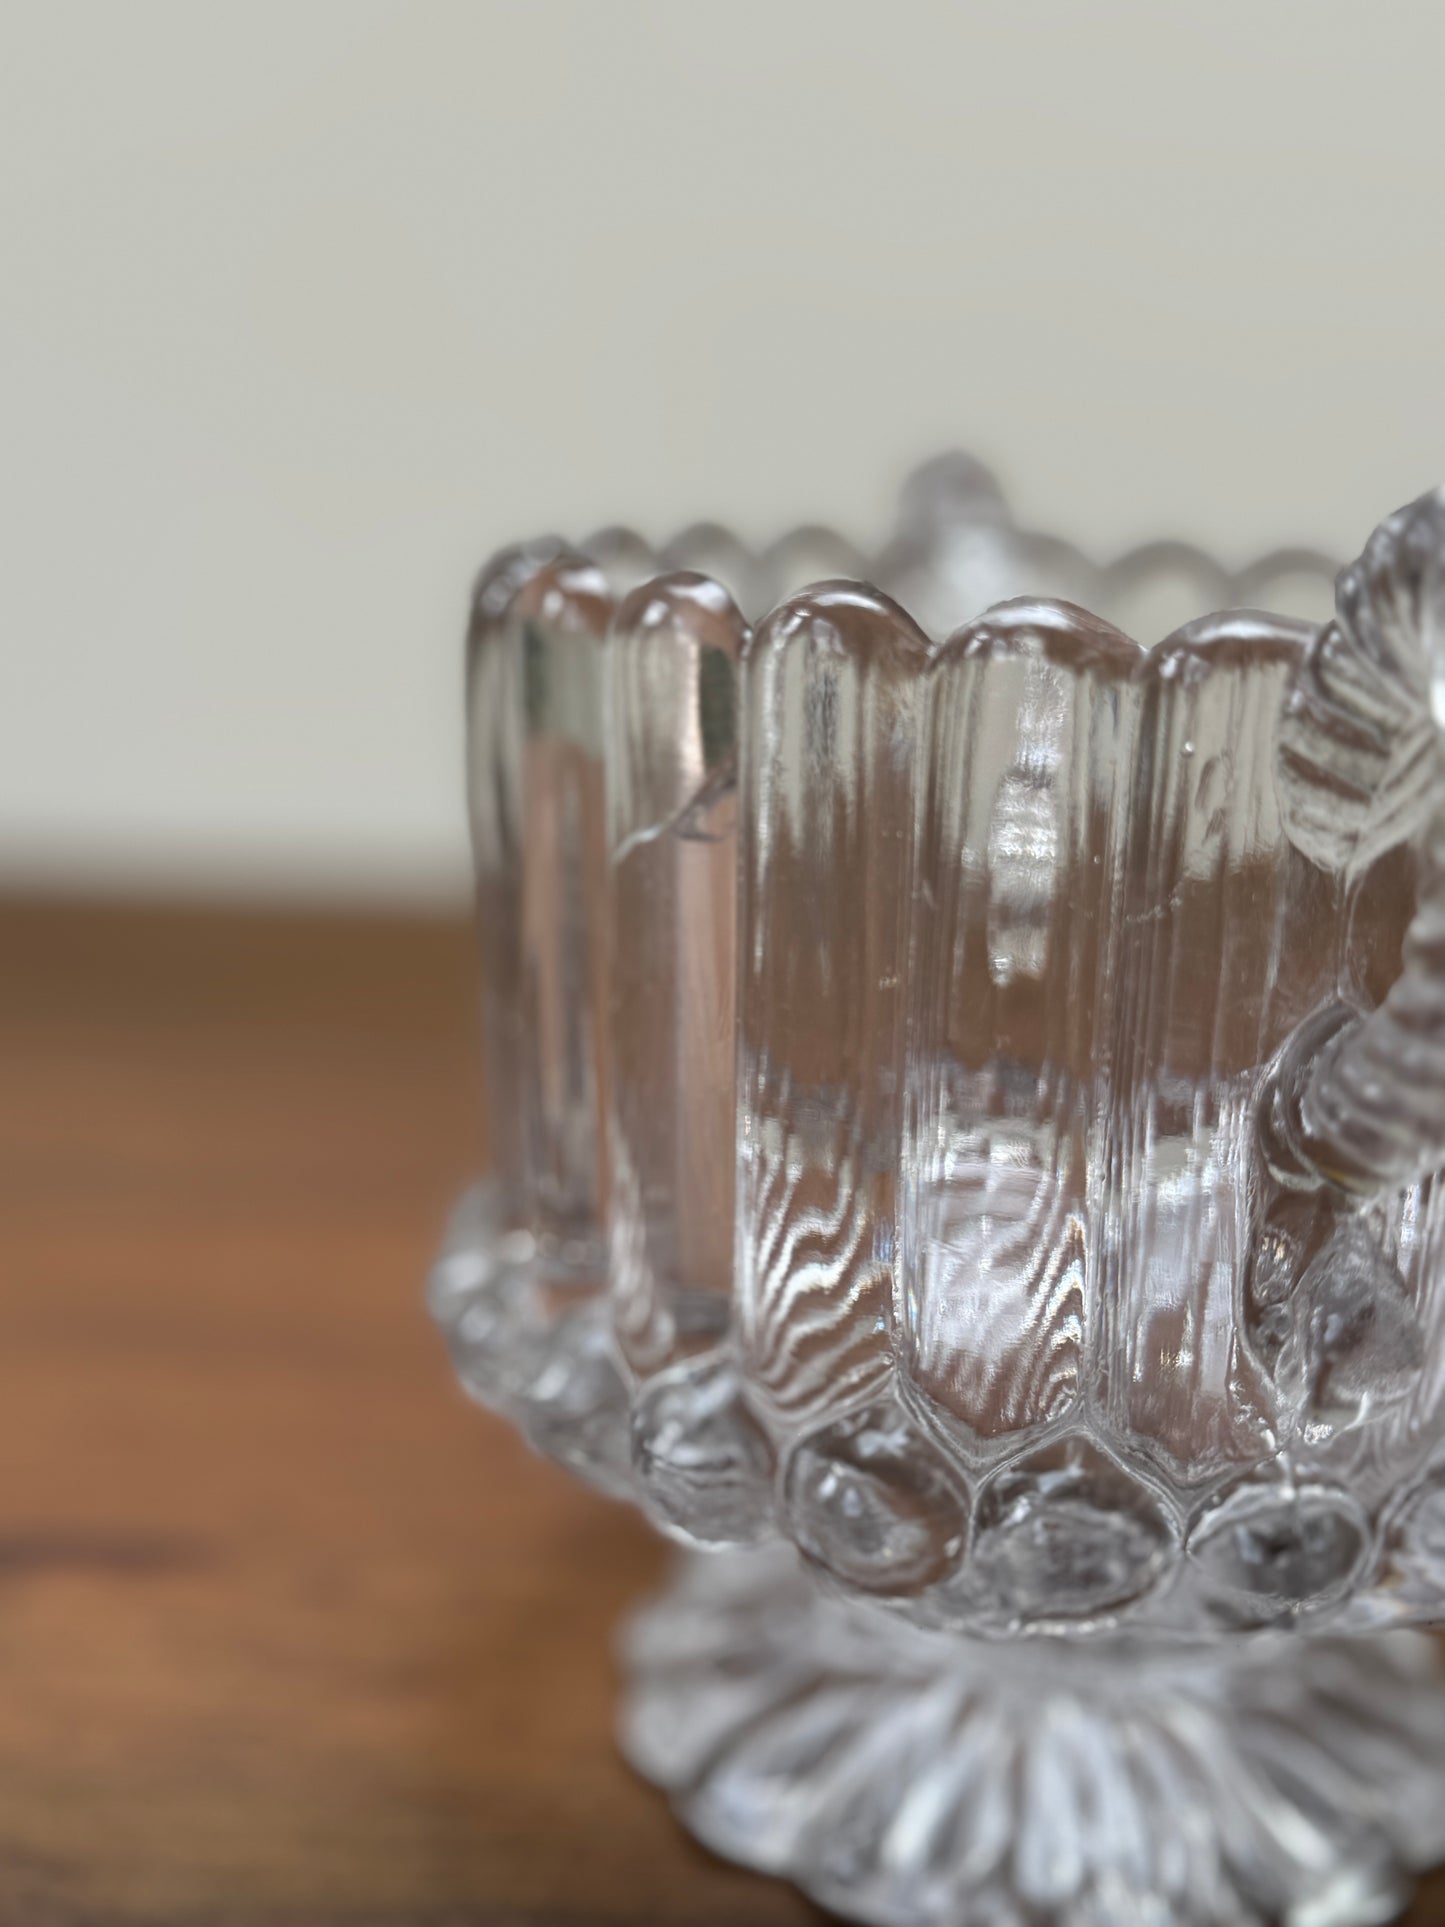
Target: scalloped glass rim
x=956 y=531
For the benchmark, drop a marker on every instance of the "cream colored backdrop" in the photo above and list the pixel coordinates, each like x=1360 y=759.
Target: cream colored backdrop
x=305 y=306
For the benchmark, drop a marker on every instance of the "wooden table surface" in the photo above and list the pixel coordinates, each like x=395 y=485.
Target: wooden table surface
x=289 y=1633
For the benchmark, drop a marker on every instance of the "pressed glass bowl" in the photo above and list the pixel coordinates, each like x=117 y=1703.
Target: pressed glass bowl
x=965 y=1092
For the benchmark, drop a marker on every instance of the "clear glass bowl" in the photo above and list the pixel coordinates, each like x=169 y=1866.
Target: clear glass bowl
x=965 y=1091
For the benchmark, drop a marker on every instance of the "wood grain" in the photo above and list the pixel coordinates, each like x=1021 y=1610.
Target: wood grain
x=288 y=1632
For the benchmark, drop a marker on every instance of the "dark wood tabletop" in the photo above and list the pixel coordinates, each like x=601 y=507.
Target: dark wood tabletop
x=289 y=1633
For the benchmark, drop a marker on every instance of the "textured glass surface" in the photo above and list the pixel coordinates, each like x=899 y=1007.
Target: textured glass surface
x=1218 y=926
x=562 y=614
x=672 y=714
x=832 y=700
x=1009 y=1049
x=531 y=1330
x=967 y=1087
x=672 y=843
x=917 y=1778
x=495 y=752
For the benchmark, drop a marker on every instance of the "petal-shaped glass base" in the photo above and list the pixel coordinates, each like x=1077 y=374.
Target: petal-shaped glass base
x=917 y=1779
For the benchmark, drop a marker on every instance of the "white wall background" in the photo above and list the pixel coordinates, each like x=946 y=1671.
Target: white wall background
x=306 y=304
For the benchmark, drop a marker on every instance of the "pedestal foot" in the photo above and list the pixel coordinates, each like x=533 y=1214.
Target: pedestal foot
x=914 y=1779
